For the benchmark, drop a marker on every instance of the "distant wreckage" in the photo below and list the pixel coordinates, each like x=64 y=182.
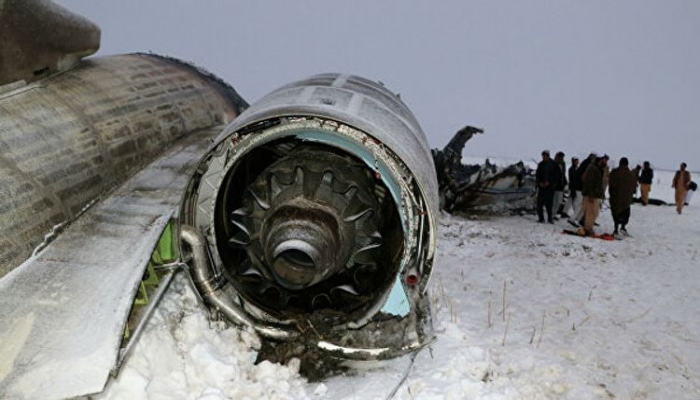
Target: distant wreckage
x=465 y=188
x=309 y=217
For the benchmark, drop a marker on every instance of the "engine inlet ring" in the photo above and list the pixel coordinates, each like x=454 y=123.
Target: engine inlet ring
x=307 y=232
x=278 y=139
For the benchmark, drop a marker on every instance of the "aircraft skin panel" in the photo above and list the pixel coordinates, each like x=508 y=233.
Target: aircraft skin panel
x=69 y=138
x=64 y=309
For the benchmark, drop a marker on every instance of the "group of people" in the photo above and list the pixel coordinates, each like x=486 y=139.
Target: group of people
x=587 y=183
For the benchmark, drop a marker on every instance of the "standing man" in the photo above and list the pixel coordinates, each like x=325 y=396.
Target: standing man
x=681 y=182
x=559 y=185
x=573 y=203
x=577 y=218
x=636 y=171
x=622 y=185
x=545 y=178
x=645 y=179
x=593 y=192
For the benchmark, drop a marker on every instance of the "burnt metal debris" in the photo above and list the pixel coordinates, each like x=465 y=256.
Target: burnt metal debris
x=465 y=188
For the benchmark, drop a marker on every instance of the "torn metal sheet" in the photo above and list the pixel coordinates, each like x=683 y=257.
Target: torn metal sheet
x=487 y=186
x=64 y=310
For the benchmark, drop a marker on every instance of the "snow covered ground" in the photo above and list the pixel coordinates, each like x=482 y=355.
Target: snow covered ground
x=521 y=311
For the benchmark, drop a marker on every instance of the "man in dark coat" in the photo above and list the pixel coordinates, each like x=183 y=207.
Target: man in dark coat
x=577 y=184
x=559 y=185
x=593 y=193
x=623 y=183
x=546 y=176
x=645 y=179
x=573 y=203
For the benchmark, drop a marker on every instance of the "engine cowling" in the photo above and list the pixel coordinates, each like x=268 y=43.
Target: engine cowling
x=314 y=216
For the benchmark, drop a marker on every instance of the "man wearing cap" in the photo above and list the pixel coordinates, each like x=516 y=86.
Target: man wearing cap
x=546 y=177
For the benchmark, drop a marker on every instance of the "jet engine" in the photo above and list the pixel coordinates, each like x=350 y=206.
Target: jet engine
x=312 y=220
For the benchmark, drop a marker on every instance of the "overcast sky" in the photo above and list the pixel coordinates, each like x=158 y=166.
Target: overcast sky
x=621 y=77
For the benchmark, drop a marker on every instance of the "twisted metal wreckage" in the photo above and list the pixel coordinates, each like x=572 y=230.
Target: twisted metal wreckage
x=468 y=187
x=309 y=217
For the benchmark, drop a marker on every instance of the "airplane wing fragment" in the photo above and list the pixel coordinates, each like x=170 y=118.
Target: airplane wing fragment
x=64 y=309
